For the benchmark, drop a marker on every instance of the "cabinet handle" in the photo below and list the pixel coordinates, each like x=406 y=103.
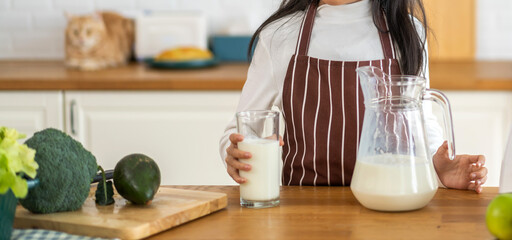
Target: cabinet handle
x=72 y=117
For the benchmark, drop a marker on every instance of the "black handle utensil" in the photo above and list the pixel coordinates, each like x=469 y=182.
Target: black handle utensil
x=109 y=174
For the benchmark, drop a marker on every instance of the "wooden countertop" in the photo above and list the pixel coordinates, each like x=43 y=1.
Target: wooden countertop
x=54 y=76
x=334 y=213
x=51 y=75
x=471 y=75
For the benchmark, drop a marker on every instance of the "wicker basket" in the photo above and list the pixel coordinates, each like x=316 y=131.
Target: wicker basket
x=7 y=209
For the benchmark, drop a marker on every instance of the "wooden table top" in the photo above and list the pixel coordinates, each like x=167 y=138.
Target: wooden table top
x=334 y=213
x=52 y=75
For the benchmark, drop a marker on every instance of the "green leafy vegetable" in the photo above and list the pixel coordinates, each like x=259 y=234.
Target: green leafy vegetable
x=65 y=172
x=104 y=192
x=16 y=160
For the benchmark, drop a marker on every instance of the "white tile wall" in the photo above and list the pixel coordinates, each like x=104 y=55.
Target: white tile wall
x=494 y=28
x=14 y=21
x=51 y=20
x=73 y=5
x=6 y=44
x=43 y=22
x=24 y=5
x=4 y=4
x=37 y=41
x=156 y=4
x=114 y=4
x=38 y=44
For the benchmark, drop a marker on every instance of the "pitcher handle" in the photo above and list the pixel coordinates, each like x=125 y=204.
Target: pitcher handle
x=441 y=99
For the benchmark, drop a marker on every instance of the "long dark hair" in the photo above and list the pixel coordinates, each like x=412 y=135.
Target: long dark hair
x=400 y=15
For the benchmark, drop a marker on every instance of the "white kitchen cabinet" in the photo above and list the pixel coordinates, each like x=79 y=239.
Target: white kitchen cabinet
x=481 y=120
x=179 y=130
x=31 y=111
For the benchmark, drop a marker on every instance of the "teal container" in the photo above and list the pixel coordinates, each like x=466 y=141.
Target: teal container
x=231 y=48
x=8 y=204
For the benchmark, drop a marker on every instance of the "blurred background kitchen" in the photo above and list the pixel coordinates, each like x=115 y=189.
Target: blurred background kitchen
x=177 y=115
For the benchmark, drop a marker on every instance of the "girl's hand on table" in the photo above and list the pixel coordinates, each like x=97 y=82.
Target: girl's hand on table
x=464 y=172
x=233 y=154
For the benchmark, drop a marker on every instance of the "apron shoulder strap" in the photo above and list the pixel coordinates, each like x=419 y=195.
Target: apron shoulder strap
x=385 y=38
x=306 y=29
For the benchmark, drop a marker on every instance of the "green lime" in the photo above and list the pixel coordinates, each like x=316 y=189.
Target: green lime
x=499 y=216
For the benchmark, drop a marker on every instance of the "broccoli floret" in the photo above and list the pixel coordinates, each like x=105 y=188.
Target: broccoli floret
x=65 y=172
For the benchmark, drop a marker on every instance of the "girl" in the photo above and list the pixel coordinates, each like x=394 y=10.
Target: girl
x=306 y=49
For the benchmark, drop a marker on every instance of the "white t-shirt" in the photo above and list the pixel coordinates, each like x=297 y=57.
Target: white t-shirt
x=340 y=33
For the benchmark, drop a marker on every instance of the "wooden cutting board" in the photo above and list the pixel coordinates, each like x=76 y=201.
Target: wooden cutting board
x=169 y=208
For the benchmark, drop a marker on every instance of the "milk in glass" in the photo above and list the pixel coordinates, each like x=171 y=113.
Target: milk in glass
x=391 y=182
x=263 y=178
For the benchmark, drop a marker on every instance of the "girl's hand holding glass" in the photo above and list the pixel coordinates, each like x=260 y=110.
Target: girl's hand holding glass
x=233 y=154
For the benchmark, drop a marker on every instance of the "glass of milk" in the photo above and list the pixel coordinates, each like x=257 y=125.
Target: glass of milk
x=261 y=138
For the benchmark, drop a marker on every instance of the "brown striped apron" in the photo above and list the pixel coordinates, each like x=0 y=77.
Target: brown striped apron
x=323 y=111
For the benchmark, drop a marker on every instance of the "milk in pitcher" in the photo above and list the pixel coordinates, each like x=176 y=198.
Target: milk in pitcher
x=263 y=178
x=394 y=182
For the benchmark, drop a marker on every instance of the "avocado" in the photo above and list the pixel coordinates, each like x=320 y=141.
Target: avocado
x=137 y=178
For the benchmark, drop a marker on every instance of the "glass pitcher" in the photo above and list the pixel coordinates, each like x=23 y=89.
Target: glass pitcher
x=394 y=169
